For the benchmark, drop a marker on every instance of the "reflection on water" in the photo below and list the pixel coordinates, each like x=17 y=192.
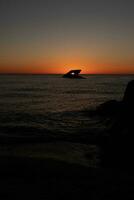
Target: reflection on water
x=51 y=101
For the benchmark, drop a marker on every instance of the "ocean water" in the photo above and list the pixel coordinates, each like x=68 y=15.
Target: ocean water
x=53 y=103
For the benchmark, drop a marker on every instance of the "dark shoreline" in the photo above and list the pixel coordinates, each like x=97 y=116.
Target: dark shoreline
x=96 y=163
x=22 y=177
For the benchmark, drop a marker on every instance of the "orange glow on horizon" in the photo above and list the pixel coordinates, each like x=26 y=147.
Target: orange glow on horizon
x=61 y=69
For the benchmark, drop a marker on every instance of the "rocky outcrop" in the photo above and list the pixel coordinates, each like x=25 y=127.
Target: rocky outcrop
x=128 y=99
x=117 y=145
x=109 y=108
x=129 y=93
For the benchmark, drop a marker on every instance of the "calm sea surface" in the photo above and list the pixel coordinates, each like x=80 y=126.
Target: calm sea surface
x=52 y=102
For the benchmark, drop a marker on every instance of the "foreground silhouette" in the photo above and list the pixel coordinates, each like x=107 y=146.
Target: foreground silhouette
x=117 y=143
x=73 y=74
x=34 y=168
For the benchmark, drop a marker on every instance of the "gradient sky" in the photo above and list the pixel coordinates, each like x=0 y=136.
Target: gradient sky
x=53 y=36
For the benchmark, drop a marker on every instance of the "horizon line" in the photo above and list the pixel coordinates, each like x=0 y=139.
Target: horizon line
x=63 y=73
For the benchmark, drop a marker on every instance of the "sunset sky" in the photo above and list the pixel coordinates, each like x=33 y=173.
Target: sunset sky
x=54 y=36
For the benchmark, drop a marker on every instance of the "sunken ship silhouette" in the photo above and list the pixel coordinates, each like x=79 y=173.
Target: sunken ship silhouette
x=73 y=74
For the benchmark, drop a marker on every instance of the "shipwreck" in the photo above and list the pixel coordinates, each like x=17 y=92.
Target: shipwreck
x=73 y=74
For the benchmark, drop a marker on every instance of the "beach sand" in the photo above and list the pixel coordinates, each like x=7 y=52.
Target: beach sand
x=59 y=170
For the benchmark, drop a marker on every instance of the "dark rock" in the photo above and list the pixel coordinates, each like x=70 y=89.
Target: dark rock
x=129 y=93
x=117 y=144
x=109 y=108
x=128 y=98
x=124 y=108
